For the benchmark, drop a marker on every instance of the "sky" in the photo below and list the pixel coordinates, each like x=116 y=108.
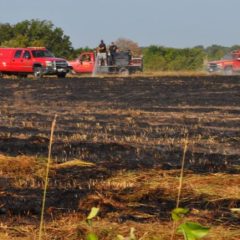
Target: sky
x=170 y=23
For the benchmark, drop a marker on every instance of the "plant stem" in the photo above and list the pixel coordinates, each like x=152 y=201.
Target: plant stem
x=182 y=171
x=180 y=182
x=46 y=177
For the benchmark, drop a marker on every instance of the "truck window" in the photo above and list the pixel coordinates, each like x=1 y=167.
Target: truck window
x=41 y=53
x=18 y=54
x=27 y=55
x=227 y=57
x=85 y=58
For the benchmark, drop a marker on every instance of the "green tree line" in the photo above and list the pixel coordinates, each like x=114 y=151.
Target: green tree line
x=173 y=59
x=156 y=58
x=38 y=33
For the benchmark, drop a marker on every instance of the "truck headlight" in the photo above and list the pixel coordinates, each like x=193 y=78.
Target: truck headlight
x=49 y=64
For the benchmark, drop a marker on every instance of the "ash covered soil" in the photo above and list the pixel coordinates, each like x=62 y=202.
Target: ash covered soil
x=132 y=130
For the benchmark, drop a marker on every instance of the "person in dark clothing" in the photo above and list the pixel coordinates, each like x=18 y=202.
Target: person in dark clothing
x=102 y=53
x=112 y=51
x=129 y=55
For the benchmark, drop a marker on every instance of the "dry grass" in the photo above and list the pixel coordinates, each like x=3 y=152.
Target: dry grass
x=146 y=74
x=17 y=165
x=73 y=163
x=22 y=170
x=74 y=228
x=150 y=184
x=218 y=186
x=144 y=182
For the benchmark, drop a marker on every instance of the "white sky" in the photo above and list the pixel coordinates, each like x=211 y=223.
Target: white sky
x=172 y=23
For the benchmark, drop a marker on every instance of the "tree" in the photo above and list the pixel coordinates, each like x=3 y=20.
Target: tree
x=127 y=44
x=215 y=52
x=6 y=31
x=173 y=59
x=36 y=33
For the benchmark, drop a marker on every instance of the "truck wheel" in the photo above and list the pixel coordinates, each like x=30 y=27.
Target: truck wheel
x=37 y=72
x=61 y=75
x=124 y=71
x=228 y=71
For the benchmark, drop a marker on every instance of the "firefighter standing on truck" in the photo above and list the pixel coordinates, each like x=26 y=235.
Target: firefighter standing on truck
x=112 y=52
x=102 y=54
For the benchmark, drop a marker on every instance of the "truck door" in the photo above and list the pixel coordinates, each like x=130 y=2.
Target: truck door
x=86 y=63
x=26 y=62
x=15 y=64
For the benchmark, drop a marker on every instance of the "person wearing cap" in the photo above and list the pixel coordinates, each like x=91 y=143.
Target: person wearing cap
x=102 y=54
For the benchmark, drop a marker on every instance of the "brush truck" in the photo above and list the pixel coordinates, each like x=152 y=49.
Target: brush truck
x=228 y=65
x=124 y=64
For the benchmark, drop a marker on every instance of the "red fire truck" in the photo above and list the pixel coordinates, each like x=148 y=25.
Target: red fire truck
x=124 y=63
x=228 y=65
x=32 y=60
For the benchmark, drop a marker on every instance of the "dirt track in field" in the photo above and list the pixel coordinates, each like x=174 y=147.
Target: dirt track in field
x=119 y=124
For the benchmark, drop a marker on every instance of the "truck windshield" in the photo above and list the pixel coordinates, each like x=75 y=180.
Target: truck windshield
x=41 y=53
x=227 y=57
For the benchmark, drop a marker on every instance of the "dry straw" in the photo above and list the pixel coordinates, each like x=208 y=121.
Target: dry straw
x=46 y=177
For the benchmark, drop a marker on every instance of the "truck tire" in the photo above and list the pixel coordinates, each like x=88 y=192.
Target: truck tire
x=228 y=71
x=123 y=71
x=61 y=75
x=38 y=72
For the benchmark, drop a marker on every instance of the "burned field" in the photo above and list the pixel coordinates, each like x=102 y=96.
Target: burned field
x=118 y=144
